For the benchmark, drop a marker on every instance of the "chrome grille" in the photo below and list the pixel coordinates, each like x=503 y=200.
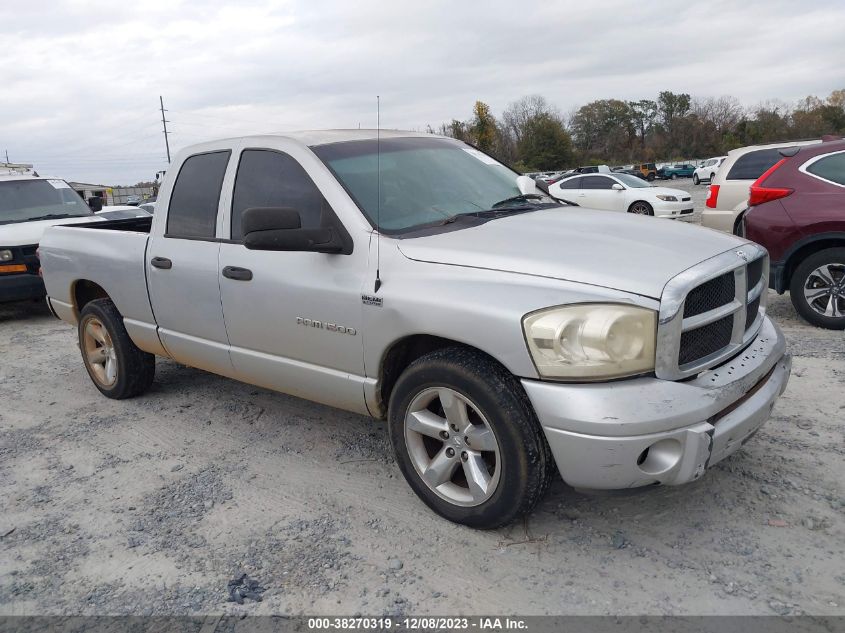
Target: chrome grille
x=711 y=311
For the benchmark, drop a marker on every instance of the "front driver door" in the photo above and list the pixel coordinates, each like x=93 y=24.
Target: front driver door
x=597 y=193
x=294 y=319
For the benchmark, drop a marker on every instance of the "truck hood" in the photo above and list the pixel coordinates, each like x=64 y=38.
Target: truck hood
x=26 y=233
x=624 y=252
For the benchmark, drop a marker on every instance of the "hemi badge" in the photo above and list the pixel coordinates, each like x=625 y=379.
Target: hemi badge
x=370 y=300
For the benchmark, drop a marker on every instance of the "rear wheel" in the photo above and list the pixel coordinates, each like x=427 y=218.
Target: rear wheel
x=641 y=208
x=467 y=440
x=118 y=368
x=695 y=179
x=817 y=288
x=650 y=177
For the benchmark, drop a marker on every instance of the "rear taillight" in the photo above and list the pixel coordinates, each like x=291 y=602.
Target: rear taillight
x=758 y=194
x=712 y=195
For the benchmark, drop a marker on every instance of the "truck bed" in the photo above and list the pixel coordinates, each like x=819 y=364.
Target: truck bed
x=110 y=253
x=137 y=225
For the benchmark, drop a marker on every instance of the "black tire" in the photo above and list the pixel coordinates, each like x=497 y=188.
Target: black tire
x=648 y=209
x=695 y=179
x=834 y=256
x=673 y=176
x=135 y=368
x=650 y=177
x=525 y=459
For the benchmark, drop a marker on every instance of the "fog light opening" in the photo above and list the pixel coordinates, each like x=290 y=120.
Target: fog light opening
x=660 y=457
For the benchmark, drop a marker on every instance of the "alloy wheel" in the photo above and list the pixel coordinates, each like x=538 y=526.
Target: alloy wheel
x=640 y=208
x=100 y=355
x=824 y=290
x=452 y=446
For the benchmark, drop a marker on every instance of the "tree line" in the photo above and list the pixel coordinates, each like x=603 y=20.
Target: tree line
x=532 y=135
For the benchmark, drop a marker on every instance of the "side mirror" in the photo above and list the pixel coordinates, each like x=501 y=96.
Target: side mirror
x=280 y=229
x=617 y=187
x=96 y=203
x=526 y=184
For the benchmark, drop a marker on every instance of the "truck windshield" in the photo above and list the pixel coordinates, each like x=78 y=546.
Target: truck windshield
x=28 y=200
x=423 y=181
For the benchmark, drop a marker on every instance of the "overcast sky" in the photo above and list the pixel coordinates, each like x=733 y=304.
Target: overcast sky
x=80 y=81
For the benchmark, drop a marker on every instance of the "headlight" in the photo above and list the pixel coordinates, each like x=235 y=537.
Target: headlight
x=591 y=341
x=667 y=198
x=6 y=256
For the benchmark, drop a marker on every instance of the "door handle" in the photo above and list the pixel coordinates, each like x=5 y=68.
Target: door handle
x=239 y=274
x=161 y=262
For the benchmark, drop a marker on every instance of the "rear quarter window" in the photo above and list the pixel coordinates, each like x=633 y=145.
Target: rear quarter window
x=752 y=165
x=830 y=168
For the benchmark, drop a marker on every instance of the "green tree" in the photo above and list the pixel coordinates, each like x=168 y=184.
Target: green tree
x=545 y=144
x=643 y=114
x=672 y=107
x=483 y=127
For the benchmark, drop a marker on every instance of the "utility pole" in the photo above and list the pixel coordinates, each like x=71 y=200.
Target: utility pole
x=7 y=156
x=164 y=123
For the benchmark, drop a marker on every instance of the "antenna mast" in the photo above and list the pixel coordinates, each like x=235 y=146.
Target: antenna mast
x=378 y=192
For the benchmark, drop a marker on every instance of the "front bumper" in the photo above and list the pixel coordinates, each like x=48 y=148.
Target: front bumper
x=678 y=209
x=19 y=287
x=643 y=431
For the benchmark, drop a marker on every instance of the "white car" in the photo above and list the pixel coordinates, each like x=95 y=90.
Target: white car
x=623 y=192
x=707 y=169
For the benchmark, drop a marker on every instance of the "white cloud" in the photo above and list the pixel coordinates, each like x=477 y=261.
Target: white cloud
x=79 y=81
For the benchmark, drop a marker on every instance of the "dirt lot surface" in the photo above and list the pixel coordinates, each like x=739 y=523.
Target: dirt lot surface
x=152 y=505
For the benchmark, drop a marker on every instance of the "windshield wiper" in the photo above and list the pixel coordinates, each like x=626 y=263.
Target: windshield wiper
x=57 y=216
x=488 y=213
x=533 y=196
x=523 y=197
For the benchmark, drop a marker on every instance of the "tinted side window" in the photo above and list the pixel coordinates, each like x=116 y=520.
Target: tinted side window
x=596 y=182
x=572 y=183
x=196 y=194
x=830 y=168
x=269 y=178
x=751 y=166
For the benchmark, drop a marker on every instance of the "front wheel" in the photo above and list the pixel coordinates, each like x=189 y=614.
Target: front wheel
x=674 y=176
x=695 y=179
x=467 y=440
x=641 y=208
x=817 y=289
x=118 y=368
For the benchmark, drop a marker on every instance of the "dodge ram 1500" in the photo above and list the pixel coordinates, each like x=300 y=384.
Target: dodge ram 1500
x=501 y=332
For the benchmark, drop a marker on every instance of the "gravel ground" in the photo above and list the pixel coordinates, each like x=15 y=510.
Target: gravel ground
x=154 y=505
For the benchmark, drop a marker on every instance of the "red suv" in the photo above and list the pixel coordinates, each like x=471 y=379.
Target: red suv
x=797 y=211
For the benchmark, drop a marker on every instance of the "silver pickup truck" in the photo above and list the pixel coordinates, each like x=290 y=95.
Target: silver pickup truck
x=501 y=333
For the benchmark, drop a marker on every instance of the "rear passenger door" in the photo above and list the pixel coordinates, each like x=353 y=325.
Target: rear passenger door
x=182 y=265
